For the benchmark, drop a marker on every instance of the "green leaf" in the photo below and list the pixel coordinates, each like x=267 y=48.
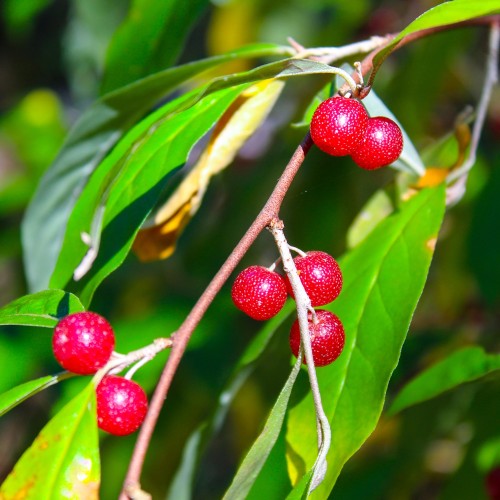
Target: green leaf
x=256 y=458
x=458 y=368
x=90 y=140
x=114 y=206
x=488 y=455
x=121 y=193
x=40 y=309
x=17 y=395
x=149 y=40
x=375 y=210
x=181 y=486
x=383 y=279
x=63 y=461
x=443 y=14
x=20 y=16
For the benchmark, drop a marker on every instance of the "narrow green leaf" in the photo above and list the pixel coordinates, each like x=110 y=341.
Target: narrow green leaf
x=300 y=490
x=149 y=40
x=256 y=458
x=63 y=461
x=40 y=309
x=119 y=196
x=375 y=210
x=121 y=193
x=273 y=480
x=443 y=14
x=181 y=487
x=463 y=366
x=383 y=279
x=17 y=395
x=93 y=136
x=201 y=437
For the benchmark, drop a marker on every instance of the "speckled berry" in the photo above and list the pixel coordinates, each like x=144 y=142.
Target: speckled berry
x=327 y=338
x=382 y=144
x=83 y=342
x=338 y=125
x=122 y=405
x=321 y=276
x=259 y=292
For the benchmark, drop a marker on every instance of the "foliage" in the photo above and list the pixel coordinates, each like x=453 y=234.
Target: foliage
x=136 y=173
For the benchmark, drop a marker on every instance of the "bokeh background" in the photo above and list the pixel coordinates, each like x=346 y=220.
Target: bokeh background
x=52 y=60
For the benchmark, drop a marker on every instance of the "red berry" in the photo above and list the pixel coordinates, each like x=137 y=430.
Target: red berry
x=327 y=337
x=121 y=405
x=83 y=342
x=493 y=483
x=382 y=144
x=338 y=125
x=321 y=276
x=259 y=292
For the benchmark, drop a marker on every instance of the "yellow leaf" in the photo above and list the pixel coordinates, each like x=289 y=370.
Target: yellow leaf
x=433 y=177
x=157 y=240
x=436 y=175
x=232 y=25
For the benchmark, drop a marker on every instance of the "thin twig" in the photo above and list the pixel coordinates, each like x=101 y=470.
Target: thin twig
x=460 y=175
x=269 y=212
x=303 y=306
x=119 y=362
x=329 y=55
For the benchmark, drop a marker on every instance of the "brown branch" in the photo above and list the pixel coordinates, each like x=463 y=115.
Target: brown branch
x=183 y=334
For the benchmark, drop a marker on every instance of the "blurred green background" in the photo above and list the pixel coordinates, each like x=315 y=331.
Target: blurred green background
x=53 y=56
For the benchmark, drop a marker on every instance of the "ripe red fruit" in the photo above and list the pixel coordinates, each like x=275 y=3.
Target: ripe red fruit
x=382 y=144
x=327 y=337
x=121 y=405
x=83 y=342
x=321 y=276
x=493 y=483
x=259 y=292
x=338 y=125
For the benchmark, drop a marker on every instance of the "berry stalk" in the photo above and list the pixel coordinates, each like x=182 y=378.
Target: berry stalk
x=303 y=307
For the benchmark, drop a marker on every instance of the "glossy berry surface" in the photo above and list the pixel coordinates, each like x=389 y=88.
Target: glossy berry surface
x=327 y=338
x=382 y=144
x=121 y=405
x=259 y=292
x=321 y=276
x=83 y=342
x=338 y=125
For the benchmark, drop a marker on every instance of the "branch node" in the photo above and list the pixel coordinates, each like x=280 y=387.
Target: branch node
x=134 y=492
x=276 y=223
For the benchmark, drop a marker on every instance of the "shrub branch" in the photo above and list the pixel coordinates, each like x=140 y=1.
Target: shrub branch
x=269 y=212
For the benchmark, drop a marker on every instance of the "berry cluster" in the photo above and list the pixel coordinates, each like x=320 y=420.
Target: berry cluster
x=83 y=343
x=262 y=293
x=341 y=126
